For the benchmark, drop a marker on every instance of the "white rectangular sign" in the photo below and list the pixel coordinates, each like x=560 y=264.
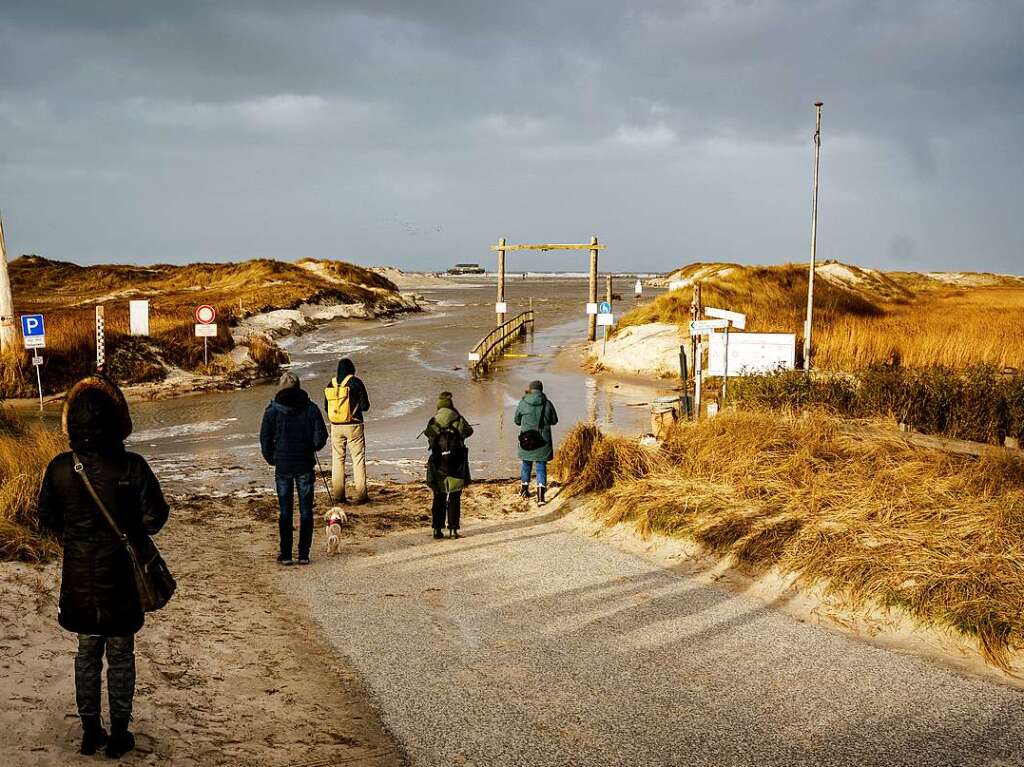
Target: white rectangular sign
x=751 y=353
x=37 y=361
x=606 y=319
x=209 y=331
x=501 y=308
x=738 y=320
x=138 y=318
x=474 y=357
x=35 y=342
x=591 y=308
x=703 y=327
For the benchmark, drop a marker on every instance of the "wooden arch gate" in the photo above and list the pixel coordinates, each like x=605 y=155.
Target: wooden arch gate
x=593 y=246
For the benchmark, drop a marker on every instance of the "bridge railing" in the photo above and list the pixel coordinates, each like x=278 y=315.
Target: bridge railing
x=494 y=343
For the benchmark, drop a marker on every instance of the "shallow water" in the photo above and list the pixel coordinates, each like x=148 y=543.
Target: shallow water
x=210 y=443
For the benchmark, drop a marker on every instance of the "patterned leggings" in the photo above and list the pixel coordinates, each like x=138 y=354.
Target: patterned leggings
x=120 y=674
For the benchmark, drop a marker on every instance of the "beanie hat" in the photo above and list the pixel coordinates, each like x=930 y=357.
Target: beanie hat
x=444 y=399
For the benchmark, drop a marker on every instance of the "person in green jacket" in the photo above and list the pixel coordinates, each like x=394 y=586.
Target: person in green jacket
x=535 y=416
x=448 y=465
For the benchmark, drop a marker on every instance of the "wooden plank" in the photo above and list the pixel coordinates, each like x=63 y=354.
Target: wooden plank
x=554 y=246
x=931 y=442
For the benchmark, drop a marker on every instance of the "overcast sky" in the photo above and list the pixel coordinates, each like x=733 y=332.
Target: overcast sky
x=416 y=133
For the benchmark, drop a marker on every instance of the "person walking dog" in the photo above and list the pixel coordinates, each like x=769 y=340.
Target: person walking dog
x=448 y=464
x=345 y=401
x=535 y=416
x=99 y=597
x=292 y=432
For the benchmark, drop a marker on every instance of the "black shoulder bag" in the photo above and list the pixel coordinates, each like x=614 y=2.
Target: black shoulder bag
x=153 y=580
x=532 y=439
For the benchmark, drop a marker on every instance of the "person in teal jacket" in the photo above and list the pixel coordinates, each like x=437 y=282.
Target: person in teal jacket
x=535 y=416
x=448 y=465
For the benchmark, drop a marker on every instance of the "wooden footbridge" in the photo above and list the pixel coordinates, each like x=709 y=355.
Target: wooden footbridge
x=493 y=345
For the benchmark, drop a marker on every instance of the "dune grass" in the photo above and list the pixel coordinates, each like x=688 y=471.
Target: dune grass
x=25 y=450
x=880 y=318
x=874 y=521
x=68 y=293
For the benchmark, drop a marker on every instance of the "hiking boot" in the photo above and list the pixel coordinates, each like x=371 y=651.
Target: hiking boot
x=93 y=735
x=121 y=741
x=438 y=533
x=540 y=494
x=453 y=532
x=524 y=490
x=284 y=561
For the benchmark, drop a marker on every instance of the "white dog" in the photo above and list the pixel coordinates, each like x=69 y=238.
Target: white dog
x=335 y=518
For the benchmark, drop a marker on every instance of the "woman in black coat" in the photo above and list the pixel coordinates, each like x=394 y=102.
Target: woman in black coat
x=98 y=597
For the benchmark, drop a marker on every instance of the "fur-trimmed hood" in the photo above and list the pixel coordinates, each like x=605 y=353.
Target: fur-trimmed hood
x=95 y=411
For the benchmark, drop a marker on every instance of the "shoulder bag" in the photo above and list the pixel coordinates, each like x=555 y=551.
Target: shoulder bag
x=153 y=580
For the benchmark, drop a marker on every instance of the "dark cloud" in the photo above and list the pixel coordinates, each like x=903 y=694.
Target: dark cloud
x=417 y=133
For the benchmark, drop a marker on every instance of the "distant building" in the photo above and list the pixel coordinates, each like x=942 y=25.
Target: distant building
x=466 y=269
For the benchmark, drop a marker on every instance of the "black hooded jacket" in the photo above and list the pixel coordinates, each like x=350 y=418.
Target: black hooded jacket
x=357 y=390
x=97 y=592
x=293 y=430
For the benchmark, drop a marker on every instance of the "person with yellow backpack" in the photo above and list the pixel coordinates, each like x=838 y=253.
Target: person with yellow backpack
x=345 y=401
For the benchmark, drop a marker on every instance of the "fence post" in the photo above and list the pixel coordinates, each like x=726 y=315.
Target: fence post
x=592 y=319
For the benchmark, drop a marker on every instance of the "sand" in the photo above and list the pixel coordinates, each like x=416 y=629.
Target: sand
x=648 y=351
x=234 y=671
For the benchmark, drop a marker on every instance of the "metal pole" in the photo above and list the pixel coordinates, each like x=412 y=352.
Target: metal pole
x=206 y=350
x=698 y=374
x=101 y=350
x=39 y=383
x=501 y=278
x=592 y=319
x=814 y=238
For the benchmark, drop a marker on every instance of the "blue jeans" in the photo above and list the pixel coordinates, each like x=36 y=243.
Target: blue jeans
x=286 y=484
x=542 y=472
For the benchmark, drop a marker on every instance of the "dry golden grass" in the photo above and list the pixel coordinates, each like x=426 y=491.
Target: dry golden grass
x=883 y=318
x=874 y=521
x=67 y=294
x=25 y=451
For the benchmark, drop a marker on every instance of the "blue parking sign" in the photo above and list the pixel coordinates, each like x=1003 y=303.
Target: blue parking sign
x=33 y=331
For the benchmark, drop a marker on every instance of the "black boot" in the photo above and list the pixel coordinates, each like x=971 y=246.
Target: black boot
x=93 y=735
x=121 y=741
x=524 y=490
x=540 y=494
x=453 y=532
x=438 y=533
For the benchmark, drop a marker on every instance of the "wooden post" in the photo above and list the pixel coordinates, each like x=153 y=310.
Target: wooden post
x=8 y=333
x=501 y=278
x=696 y=309
x=592 y=319
x=608 y=298
x=101 y=342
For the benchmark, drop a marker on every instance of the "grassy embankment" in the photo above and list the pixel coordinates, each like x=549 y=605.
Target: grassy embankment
x=863 y=317
x=875 y=522
x=25 y=450
x=67 y=294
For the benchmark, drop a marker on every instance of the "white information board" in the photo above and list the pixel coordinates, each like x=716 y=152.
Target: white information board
x=606 y=319
x=751 y=353
x=205 y=331
x=501 y=307
x=138 y=318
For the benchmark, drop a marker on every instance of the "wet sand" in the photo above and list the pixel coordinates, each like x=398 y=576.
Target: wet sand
x=235 y=670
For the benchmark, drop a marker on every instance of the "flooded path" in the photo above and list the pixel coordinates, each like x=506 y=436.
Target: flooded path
x=210 y=443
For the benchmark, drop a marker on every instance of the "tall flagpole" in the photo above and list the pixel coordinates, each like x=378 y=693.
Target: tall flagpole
x=814 y=239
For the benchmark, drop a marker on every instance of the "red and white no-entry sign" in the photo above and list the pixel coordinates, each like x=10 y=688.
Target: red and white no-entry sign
x=205 y=314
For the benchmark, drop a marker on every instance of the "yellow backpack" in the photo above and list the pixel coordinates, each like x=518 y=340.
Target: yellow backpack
x=339 y=403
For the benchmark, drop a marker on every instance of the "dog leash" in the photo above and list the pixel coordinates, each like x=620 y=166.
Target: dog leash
x=320 y=471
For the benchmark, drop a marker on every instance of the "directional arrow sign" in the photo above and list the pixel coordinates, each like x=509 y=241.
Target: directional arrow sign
x=738 y=320
x=703 y=327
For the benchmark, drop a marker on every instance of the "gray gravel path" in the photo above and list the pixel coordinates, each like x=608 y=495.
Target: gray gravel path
x=526 y=643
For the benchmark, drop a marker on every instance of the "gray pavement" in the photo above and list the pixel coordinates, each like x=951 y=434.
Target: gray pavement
x=525 y=643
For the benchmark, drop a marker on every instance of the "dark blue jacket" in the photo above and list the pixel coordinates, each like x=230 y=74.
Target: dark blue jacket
x=293 y=430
